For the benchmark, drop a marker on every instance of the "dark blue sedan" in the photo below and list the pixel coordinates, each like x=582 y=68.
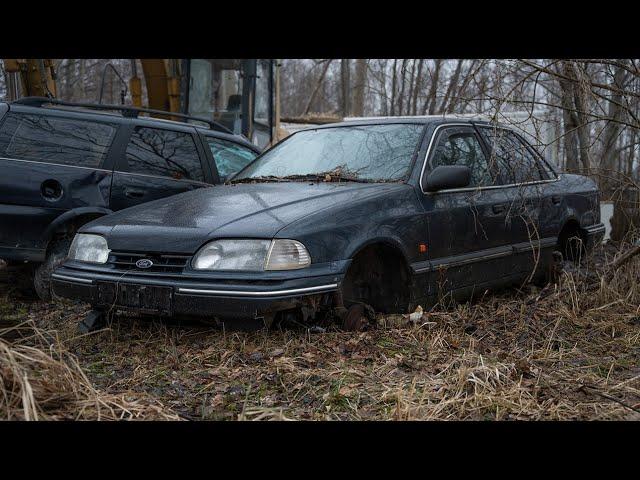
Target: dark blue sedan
x=338 y=221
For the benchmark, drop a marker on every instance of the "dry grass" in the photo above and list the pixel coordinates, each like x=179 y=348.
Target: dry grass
x=42 y=380
x=570 y=351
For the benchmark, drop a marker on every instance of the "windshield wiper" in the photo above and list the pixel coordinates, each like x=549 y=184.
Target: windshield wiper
x=267 y=178
x=330 y=176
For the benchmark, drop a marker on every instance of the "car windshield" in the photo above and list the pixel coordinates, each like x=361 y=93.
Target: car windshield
x=369 y=153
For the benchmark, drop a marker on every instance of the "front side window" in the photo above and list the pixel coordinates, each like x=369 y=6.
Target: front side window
x=515 y=161
x=230 y=157
x=65 y=141
x=164 y=153
x=369 y=153
x=460 y=146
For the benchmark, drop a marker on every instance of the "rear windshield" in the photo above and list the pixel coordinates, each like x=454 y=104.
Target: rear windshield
x=45 y=138
x=365 y=153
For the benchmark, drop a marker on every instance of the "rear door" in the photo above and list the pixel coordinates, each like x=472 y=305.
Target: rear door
x=157 y=162
x=551 y=199
x=50 y=162
x=468 y=239
x=523 y=182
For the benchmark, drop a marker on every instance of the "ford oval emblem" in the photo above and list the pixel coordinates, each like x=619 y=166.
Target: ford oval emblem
x=144 y=263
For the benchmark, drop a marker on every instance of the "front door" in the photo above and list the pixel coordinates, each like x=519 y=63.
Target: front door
x=157 y=163
x=467 y=231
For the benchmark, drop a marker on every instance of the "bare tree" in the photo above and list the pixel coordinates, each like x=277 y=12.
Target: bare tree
x=319 y=82
x=345 y=75
x=359 y=87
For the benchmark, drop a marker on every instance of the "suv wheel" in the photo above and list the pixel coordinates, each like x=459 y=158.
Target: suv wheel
x=56 y=254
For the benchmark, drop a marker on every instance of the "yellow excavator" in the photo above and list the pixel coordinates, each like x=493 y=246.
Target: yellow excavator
x=241 y=94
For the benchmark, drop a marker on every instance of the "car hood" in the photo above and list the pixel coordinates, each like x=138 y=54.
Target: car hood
x=184 y=222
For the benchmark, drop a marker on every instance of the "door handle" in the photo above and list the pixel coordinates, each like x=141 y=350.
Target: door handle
x=556 y=199
x=499 y=208
x=132 y=193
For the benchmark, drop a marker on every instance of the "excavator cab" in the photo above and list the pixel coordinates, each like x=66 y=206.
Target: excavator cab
x=238 y=94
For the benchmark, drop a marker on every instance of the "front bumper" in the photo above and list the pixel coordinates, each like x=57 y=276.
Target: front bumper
x=220 y=296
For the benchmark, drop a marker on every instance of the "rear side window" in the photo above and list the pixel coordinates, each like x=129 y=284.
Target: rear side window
x=545 y=170
x=165 y=153
x=515 y=161
x=44 y=138
x=461 y=146
x=230 y=157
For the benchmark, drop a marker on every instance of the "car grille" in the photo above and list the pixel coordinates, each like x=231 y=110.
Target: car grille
x=126 y=261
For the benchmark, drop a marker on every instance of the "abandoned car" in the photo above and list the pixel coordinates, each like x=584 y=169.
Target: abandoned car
x=65 y=164
x=338 y=221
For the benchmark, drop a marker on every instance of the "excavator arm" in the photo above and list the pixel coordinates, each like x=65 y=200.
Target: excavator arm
x=37 y=75
x=162 y=78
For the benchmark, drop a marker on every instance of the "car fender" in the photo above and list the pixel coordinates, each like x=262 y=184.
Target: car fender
x=386 y=238
x=70 y=216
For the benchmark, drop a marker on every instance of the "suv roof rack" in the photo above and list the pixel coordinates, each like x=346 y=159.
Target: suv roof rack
x=126 y=110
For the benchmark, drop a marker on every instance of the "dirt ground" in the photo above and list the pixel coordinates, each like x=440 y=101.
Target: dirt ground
x=570 y=351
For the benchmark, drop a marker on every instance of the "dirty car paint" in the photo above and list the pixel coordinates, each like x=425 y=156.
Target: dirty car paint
x=469 y=244
x=26 y=212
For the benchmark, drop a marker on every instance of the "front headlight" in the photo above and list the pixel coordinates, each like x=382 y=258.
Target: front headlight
x=252 y=255
x=89 y=248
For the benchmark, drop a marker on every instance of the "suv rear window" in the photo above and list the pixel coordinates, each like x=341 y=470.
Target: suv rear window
x=165 y=153
x=45 y=138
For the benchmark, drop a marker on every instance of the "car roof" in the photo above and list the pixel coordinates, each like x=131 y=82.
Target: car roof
x=423 y=120
x=114 y=117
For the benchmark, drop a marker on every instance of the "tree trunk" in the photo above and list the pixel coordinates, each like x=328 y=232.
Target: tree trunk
x=453 y=82
x=612 y=132
x=454 y=100
x=632 y=154
x=314 y=93
x=403 y=77
x=83 y=79
x=417 y=88
x=346 y=87
x=394 y=80
x=358 y=88
x=570 y=136
x=412 y=82
x=581 y=92
x=430 y=102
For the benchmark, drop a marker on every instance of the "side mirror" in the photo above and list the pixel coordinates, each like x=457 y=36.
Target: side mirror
x=448 y=176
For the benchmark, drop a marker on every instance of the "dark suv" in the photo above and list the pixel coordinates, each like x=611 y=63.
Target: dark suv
x=64 y=164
